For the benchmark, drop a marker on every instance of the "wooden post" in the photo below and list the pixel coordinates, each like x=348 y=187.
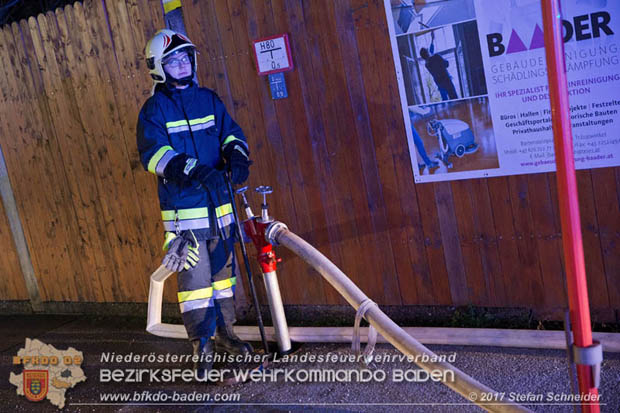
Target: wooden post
x=173 y=15
x=10 y=206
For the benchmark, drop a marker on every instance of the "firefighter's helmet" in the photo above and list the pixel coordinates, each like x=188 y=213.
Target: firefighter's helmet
x=163 y=44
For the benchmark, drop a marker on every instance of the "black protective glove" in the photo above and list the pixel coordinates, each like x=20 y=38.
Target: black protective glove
x=210 y=178
x=183 y=169
x=239 y=166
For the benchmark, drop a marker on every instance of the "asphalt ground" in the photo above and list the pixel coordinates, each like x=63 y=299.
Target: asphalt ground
x=394 y=385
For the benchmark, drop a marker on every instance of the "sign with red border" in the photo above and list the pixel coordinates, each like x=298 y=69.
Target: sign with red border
x=273 y=54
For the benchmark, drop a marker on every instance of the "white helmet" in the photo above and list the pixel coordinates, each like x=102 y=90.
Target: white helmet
x=163 y=44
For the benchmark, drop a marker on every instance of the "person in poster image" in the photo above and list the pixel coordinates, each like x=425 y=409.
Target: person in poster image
x=438 y=68
x=416 y=113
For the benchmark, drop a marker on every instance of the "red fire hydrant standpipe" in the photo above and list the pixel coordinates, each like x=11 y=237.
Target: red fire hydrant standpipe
x=586 y=354
x=254 y=228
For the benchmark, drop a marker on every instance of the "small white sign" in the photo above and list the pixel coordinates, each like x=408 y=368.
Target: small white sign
x=273 y=55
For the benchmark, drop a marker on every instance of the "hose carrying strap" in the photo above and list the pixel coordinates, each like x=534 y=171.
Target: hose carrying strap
x=372 y=332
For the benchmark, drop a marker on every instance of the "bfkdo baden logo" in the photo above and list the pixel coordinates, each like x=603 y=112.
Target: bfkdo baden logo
x=35 y=384
x=47 y=372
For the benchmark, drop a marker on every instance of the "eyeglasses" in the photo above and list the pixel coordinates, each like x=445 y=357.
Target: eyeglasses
x=177 y=62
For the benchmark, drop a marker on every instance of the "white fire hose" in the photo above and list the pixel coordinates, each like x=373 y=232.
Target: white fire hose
x=278 y=233
x=463 y=384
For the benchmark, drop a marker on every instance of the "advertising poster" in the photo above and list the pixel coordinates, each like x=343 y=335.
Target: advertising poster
x=474 y=90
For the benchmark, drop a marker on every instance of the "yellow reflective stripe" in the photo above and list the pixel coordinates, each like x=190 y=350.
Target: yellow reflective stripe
x=195 y=294
x=176 y=123
x=168 y=239
x=157 y=157
x=224 y=284
x=223 y=210
x=171 y=5
x=231 y=138
x=201 y=120
x=190 y=213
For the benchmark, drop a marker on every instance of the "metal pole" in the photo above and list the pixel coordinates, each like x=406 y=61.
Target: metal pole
x=259 y=317
x=567 y=192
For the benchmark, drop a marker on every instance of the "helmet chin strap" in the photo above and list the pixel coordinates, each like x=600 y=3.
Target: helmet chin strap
x=185 y=80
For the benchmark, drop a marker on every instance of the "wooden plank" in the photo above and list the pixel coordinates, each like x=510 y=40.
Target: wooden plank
x=311 y=188
x=363 y=251
x=449 y=273
x=459 y=289
x=409 y=261
x=68 y=128
x=206 y=29
x=296 y=130
x=370 y=18
x=598 y=289
x=544 y=234
x=279 y=151
x=12 y=285
x=524 y=233
x=109 y=157
x=36 y=168
x=312 y=172
x=489 y=253
x=606 y=198
x=19 y=148
x=433 y=244
x=400 y=230
x=516 y=291
x=466 y=218
x=389 y=217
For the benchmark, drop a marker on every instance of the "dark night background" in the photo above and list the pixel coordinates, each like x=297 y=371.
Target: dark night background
x=15 y=10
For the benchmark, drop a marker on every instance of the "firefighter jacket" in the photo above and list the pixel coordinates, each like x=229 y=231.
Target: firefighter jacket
x=192 y=121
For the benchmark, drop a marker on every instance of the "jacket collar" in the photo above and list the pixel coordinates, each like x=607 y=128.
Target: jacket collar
x=173 y=92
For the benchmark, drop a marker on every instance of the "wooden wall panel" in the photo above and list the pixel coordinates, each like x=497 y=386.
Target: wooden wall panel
x=12 y=286
x=335 y=152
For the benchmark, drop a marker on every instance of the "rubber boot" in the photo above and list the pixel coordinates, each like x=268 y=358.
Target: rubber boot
x=203 y=348
x=225 y=338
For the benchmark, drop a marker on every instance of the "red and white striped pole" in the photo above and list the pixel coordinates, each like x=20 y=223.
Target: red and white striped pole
x=567 y=193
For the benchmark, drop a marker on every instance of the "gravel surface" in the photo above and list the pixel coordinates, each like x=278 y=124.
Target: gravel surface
x=513 y=372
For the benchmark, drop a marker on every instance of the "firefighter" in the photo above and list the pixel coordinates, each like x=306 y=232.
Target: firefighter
x=186 y=137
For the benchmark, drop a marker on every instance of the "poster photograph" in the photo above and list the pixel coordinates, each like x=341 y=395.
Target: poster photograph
x=473 y=83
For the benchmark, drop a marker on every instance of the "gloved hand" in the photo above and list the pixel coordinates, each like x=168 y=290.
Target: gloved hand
x=183 y=169
x=182 y=251
x=210 y=178
x=239 y=166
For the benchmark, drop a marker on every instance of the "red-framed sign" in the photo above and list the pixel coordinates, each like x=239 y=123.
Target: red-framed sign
x=273 y=54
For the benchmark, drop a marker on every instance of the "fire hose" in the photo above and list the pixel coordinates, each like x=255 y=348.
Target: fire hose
x=265 y=232
x=463 y=384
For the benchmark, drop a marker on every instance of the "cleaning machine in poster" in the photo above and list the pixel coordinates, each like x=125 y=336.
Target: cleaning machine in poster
x=473 y=84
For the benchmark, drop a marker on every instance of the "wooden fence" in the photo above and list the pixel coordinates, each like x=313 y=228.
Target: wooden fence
x=335 y=151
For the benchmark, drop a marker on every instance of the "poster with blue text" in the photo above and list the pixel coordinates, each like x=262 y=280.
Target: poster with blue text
x=474 y=89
